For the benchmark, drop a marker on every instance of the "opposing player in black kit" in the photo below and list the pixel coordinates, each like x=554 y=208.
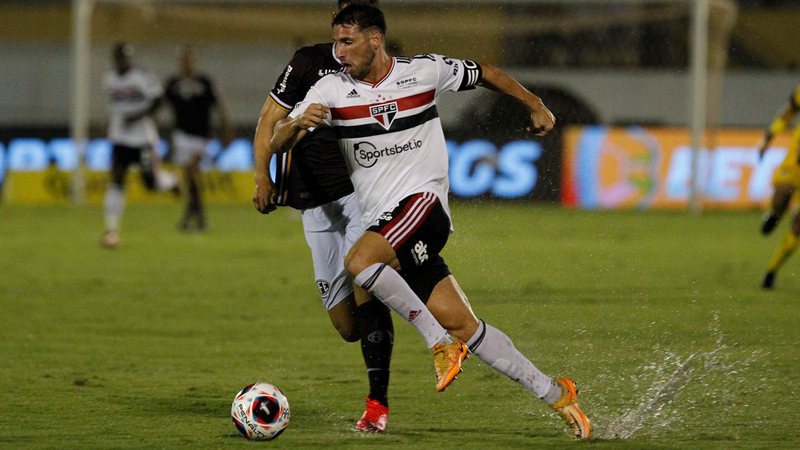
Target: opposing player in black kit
x=313 y=178
x=192 y=96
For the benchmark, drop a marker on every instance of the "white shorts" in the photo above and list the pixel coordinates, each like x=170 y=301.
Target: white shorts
x=185 y=146
x=331 y=229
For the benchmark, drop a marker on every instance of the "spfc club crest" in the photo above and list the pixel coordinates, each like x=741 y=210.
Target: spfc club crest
x=384 y=113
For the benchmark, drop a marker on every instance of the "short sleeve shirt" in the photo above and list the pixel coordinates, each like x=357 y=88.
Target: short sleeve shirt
x=129 y=94
x=390 y=131
x=192 y=99
x=314 y=173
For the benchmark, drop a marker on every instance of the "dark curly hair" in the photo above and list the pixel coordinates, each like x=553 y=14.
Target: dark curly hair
x=363 y=16
x=357 y=2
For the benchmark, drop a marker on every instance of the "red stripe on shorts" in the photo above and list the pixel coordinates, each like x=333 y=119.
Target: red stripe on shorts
x=410 y=219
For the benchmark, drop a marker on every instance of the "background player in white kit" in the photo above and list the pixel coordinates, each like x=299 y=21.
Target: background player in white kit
x=192 y=96
x=383 y=111
x=133 y=98
x=313 y=179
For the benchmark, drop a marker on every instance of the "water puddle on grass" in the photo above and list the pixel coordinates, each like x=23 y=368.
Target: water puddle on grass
x=671 y=376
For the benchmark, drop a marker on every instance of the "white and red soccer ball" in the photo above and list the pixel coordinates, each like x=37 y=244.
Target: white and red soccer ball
x=260 y=412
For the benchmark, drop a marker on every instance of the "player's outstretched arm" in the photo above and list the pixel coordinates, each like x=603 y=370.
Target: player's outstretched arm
x=289 y=131
x=777 y=126
x=271 y=113
x=542 y=120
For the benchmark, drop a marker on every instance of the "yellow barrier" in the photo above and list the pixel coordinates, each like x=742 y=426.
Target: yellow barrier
x=53 y=186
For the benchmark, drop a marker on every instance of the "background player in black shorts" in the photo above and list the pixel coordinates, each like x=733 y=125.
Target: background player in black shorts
x=133 y=96
x=192 y=96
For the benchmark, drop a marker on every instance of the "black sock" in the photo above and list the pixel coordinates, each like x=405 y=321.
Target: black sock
x=377 y=339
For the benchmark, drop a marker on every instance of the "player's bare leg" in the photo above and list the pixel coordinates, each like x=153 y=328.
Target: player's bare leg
x=372 y=262
x=370 y=248
x=194 y=201
x=114 y=203
x=450 y=306
x=343 y=318
x=781 y=198
x=778 y=206
x=787 y=246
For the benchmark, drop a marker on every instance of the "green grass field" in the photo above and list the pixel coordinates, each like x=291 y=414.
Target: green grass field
x=658 y=316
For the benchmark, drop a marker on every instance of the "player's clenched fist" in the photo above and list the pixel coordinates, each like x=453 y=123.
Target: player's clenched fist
x=312 y=116
x=263 y=195
x=542 y=120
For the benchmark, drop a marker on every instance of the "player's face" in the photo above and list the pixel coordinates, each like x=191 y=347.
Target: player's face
x=122 y=59
x=354 y=50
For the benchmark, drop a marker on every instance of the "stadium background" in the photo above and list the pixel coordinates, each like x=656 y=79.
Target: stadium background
x=658 y=315
x=620 y=65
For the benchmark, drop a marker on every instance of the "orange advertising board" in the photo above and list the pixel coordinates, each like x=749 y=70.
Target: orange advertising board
x=638 y=167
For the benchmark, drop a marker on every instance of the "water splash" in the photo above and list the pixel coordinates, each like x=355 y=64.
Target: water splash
x=669 y=384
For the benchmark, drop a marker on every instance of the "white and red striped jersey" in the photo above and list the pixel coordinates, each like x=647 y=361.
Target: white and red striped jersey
x=389 y=131
x=131 y=93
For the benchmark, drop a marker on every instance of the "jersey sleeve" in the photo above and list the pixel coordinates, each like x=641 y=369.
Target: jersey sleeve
x=456 y=74
x=289 y=89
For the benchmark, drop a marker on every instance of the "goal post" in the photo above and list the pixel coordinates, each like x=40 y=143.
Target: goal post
x=709 y=58
x=79 y=117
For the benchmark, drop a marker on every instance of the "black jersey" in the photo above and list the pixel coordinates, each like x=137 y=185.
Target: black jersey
x=314 y=172
x=191 y=99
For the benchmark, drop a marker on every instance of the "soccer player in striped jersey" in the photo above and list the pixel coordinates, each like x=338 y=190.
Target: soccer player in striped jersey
x=313 y=179
x=786 y=183
x=134 y=95
x=383 y=111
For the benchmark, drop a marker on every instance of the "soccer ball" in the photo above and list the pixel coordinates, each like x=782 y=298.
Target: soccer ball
x=260 y=412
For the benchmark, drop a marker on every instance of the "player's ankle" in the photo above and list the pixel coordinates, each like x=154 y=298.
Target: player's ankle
x=445 y=340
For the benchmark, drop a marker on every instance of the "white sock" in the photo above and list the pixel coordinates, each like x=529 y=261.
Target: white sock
x=494 y=348
x=386 y=284
x=114 y=205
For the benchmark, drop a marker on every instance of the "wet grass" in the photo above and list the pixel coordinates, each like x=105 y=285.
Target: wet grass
x=658 y=316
